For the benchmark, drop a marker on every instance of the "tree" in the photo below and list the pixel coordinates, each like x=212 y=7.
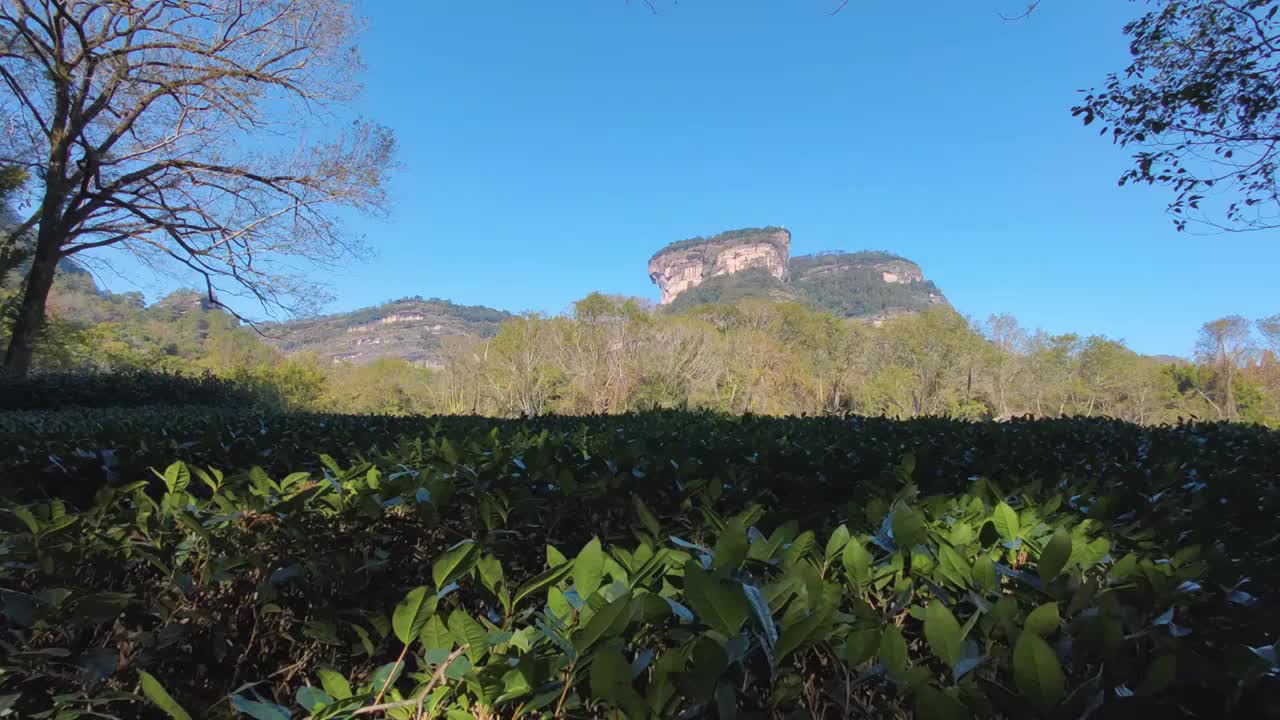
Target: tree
x=1201 y=98
x=1269 y=329
x=158 y=127
x=1224 y=344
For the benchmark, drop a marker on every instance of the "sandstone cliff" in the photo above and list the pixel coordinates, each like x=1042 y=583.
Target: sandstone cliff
x=757 y=263
x=687 y=264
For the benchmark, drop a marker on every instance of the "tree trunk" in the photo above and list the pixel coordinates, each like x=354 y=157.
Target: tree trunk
x=26 y=328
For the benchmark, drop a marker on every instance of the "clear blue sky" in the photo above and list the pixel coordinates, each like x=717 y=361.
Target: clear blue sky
x=551 y=147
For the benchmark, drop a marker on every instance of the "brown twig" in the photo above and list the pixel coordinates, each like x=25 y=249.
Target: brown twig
x=422 y=696
x=391 y=675
x=568 y=681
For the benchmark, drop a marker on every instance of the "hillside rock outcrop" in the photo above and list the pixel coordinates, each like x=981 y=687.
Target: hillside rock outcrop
x=687 y=264
x=756 y=263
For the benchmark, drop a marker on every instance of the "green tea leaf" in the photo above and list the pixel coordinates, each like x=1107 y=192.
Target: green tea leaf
x=839 y=538
x=159 y=697
x=1043 y=621
x=718 y=602
x=312 y=699
x=259 y=710
x=893 y=651
x=984 y=574
x=934 y=704
x=454 y=563
x=942 y=630
x=607 y=622
x=1037 y=672
x=1055 y=555
x=861 y=645
x=412 y=613
x=611 y=676
x=434 y=636
x=731 y=547
x=908 y=527
x=588 y=569
x=857 y=563
x=465 y=629
x=647 y=518
x=1005 y=519
x=334 y=684
x=542 y=580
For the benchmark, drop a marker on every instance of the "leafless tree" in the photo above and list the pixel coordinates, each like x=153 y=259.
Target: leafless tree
x=1225 y=344
x=1269 y=329
x=177 y=130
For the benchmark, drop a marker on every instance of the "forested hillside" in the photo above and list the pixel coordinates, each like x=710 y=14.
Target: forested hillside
x=612 y=355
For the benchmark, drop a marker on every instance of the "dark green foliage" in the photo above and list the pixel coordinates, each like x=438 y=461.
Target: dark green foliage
x=752 y=283
x=649 y=562
x=800 y=264
x=862 y=292
x=119 y=388
x=744 y=235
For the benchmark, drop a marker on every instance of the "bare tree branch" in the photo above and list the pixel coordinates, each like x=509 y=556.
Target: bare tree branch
x=161 y=128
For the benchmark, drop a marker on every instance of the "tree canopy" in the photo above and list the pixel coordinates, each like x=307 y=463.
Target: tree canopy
x=1200 y=102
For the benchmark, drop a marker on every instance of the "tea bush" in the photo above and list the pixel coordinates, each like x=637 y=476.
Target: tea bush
x=657 y=565
x=119 y=388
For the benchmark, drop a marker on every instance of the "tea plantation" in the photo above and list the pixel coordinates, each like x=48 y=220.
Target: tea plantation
x=191 y=562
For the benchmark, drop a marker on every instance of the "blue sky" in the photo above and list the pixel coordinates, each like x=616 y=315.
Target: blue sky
x=550 y=147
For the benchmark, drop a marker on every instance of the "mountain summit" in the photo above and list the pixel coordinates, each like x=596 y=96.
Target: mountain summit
x=756 y=263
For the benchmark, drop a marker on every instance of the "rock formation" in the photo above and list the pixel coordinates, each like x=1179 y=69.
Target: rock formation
x=689 y=263
x=871 y=285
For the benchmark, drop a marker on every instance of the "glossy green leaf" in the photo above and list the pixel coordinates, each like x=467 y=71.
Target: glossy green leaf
x=607 y=622
x=647 y=518
x=1005 y=519
x=412 y=613
x=465 y=629
x=731 y=547
x=335 y=684
x=312 y=699
x=839 y=538
x=611 y=676
x=588 y=569
x=893 y=651
x=1037 y=672
x=857 y=563
x=259 y=710
x=541 y=581
x=454 y=563
x=908 y=527
x=1055 y=555
x=155 y=692
x=861 y=645
x=942 y=631
x=718 y=602
x=1044 y=620
x=984 y=574
x=434 y=636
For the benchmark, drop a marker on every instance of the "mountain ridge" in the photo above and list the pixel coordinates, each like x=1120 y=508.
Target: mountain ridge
x=756 y=263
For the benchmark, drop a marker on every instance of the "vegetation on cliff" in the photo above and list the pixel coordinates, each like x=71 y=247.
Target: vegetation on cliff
x=742 y=236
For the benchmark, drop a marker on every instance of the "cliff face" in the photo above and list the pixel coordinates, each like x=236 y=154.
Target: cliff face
x=687 y=264
x=872 y=285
